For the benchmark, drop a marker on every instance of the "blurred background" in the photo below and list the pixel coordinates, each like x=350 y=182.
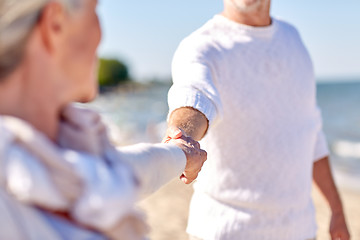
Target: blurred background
x=139 y=39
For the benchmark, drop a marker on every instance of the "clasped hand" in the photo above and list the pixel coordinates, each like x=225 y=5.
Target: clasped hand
x=195 y=157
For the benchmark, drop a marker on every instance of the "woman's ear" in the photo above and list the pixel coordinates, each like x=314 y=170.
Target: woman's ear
x=52 y=25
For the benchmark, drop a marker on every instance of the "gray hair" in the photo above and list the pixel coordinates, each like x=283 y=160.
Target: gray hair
x=17 y=19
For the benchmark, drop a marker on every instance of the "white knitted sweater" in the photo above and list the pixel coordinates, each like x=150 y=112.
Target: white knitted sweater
x=257 y=88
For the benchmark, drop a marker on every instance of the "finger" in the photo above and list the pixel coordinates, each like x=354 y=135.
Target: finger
x=169 y=139
x=337 y=236
x=343 y=235
x=179 y=142
x=185 y=180
x=174 y=132
x=203 y=153
x=166 y=140
x=196 y=144
x=192 y=142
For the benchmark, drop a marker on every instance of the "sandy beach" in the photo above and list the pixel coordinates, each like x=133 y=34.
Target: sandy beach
x=167 y=212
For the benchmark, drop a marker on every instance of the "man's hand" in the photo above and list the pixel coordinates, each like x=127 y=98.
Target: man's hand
x=324 y=180
x=194 y=155
x=338 y=228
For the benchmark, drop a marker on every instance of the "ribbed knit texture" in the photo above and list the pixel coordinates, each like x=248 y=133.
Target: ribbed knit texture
x=256 y=86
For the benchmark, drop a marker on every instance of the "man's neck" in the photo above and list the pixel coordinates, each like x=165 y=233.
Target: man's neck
x=259 y=17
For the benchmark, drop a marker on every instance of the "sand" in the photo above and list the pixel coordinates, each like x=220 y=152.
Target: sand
x=167 y=212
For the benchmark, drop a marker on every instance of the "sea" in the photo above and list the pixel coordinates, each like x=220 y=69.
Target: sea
x=137 y=113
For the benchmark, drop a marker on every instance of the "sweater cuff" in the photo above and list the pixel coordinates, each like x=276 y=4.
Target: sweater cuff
x=154 y=164
x=178 y=157
x=321 y=147
x=187 y=97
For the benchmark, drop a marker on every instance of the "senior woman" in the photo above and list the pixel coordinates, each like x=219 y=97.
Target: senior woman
x=60 y=178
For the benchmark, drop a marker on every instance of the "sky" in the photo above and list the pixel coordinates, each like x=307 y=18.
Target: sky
x=145 y=34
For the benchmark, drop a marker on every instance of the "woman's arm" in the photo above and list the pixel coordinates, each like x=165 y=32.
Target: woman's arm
x=153 y=164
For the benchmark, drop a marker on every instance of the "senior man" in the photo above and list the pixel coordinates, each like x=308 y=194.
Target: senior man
x=246 y=80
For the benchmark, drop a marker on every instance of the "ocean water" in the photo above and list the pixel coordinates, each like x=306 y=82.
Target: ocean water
x=139 y=115
x=135 y=114
x=340 y=106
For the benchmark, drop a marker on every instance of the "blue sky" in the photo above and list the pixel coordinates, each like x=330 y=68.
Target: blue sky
x=145 y=34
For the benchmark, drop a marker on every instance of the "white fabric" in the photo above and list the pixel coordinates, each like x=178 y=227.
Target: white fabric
x=256 y=86
x=138 y=157
x=98 y=189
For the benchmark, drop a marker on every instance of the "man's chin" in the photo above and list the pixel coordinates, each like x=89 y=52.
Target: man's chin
x=247 y=7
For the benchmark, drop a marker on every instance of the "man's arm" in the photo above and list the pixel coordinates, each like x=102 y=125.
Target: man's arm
x=324 y=180
x=192 y=122
x=193 y=125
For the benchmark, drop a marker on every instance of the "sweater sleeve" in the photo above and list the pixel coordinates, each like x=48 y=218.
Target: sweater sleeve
x=111 y=189
x=321 y=149
x=153 y=164
x=194 y=81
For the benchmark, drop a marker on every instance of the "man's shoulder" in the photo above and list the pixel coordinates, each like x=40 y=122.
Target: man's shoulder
x=204 y=34
x=285 y=25
x=202 y=41
x=207 y=28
